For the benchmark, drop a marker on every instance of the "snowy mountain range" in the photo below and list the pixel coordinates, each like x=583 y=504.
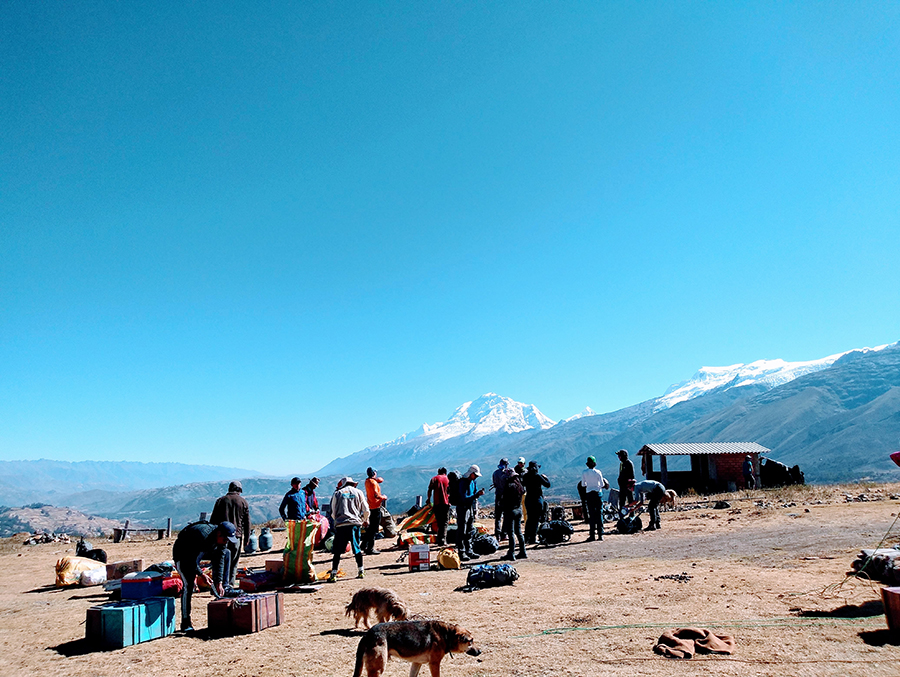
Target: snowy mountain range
x=768 y=373
x=837 y=417
x=500 y=422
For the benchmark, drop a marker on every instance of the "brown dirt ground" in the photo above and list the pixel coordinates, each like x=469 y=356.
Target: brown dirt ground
x=772 y=576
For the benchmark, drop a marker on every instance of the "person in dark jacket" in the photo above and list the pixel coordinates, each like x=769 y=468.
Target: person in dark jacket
x=469 y=494
x=498 y=482
x=626 y=478
x=511 y=505
x=312 y=503
x=233 y=508
x=534 y=483
x=293 y=505
x=197 y=541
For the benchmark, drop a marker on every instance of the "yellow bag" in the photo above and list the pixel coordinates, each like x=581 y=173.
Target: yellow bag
x=69 y=569
x=448 y=559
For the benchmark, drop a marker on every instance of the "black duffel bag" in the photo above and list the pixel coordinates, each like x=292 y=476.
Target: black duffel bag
x=556 y=531
x=484 y=544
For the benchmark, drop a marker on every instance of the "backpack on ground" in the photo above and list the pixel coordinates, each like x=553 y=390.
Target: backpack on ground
x=555 y=531
x=491 y=575
x=453 y=487
x=629 y=525
x=485 y=544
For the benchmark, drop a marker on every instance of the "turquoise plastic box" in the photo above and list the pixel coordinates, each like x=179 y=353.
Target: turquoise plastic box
x=120 y=624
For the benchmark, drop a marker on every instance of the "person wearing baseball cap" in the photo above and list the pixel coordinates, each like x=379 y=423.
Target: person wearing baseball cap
x=520 y=466
x=535 y=482
x=626 y=479
x=293 y=505
x=469 y=494
x=376 y=503
x=350 y=513
x=198 y=541
x=498 y=481
x=594 y=484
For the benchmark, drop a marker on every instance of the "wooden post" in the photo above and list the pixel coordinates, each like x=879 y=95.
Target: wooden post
x=169 y=527
x=664 y=471
x=125 y=530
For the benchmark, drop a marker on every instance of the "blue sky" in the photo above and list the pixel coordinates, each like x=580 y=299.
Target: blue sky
x=269 y=234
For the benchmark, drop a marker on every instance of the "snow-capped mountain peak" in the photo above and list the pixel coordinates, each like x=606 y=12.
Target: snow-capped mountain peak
x=587 y=411
x=769 y=373
x=486 y=415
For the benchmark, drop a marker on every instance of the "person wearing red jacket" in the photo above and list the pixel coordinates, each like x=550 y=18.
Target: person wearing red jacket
x=376 y=503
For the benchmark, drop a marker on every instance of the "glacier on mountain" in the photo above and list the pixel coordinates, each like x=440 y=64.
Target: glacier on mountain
x=769 y=373
x=487 y=415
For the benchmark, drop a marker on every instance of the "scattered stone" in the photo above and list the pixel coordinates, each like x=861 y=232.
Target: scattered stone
x=683 y=577
x=721 y=505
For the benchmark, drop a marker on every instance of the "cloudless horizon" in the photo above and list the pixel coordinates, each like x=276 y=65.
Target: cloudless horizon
x=266 y=235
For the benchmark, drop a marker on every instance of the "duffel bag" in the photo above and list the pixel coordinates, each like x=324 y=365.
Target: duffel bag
x=557 y=531
x=485 y=544
x=491 y=575
x=629 y=525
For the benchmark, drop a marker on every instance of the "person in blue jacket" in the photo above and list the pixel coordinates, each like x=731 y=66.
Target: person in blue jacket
x=293 y=505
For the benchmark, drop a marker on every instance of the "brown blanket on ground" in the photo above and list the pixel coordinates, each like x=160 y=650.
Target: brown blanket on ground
x=685 y=642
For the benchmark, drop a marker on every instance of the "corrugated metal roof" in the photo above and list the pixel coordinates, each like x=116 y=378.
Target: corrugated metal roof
x=706 y=448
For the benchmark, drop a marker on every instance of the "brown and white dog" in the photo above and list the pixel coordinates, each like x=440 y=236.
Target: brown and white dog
x=383 y=602
x=418 y=642
x=670 y=498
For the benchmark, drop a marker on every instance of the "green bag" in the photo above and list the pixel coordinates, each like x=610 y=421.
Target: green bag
x=298 y=552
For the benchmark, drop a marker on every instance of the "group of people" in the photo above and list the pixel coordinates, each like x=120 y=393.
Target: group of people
x=510 y=484
x=518 y=490
x=631 y=494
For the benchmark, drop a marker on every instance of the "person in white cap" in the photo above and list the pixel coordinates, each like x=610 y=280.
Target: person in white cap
x=466 y=508
x=520 y=466
x=350 y=512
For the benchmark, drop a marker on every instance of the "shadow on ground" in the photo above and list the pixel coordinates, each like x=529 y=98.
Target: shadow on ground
x=343 y=632
x=880 y=637
x=864 y=610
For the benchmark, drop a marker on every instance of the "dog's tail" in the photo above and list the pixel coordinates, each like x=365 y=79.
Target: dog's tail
x=348 y=610
x=360 y=652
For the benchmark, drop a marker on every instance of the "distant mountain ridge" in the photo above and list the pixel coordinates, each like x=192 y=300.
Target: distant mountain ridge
x=838 y=418
x=494 y=422
x=43 y=480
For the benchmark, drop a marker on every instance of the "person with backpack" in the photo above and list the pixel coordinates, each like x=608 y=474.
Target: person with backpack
x=439 y=499
x=534 y=483
x=511 y=505
x=466 y=507
x=594 y=484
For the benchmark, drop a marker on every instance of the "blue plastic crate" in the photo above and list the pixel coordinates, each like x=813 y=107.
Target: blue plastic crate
x=120 y=624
